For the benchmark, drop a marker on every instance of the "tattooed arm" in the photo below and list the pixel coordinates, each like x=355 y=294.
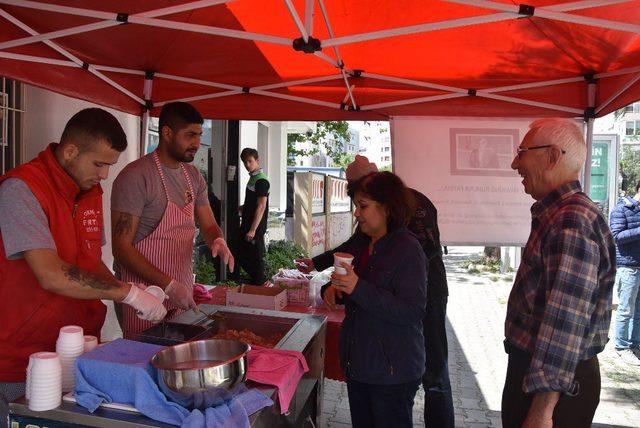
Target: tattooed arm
x=123 y=231
x=57 y=276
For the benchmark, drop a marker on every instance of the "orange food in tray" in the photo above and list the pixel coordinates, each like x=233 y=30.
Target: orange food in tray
x=250 y=337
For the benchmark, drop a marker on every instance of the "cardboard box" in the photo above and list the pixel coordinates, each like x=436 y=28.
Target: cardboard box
x=297 y=289
x=253 y=296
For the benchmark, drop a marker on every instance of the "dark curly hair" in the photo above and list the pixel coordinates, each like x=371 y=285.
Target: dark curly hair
x=388 y=190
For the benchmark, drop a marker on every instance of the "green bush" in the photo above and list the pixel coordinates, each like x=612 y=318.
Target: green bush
x=273 y=220
x=205 y=271
x=281 y=255
x=484 y=264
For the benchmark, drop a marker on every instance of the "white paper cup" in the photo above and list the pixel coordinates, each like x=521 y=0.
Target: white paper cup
x=38 y=405
x=44 y=362
x=69 y=349
x=90 y=343
x=339 y=258
x=44 y=381
x=156 y=292
x=71 y=336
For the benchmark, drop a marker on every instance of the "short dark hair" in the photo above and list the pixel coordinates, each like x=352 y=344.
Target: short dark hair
x=249 y=152
x=638 y=187
x=91 y=125
x=388 y=190
x=177 y=115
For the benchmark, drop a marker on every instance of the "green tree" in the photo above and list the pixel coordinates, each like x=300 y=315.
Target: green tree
x=629 y=169
x=331 y=134
x=344 y=159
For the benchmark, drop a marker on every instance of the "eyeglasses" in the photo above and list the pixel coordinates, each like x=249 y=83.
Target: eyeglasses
x=521 y=150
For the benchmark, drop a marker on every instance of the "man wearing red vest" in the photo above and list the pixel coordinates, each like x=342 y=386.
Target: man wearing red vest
x=51 y=234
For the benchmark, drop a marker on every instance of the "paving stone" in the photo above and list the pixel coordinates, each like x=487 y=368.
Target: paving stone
x=496 y=422
x=476 y=416
x=477 y=362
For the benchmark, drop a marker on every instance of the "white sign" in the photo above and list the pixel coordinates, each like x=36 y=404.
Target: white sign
x=318 y=240
x=464 y=166
x=317 y=194
x=340 y=229
x=339 y=201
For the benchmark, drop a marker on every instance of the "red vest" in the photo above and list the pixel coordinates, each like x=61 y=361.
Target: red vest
x=30 y=316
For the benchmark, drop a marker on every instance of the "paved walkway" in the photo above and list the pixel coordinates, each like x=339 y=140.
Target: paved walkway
x=477 y=361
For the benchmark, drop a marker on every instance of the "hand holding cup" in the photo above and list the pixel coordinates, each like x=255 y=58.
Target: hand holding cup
x=344 y=283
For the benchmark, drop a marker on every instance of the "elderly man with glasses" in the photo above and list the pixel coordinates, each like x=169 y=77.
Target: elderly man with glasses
x=558 y=313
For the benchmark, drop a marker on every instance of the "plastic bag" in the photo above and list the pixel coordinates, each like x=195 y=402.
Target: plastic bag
x=315 y=285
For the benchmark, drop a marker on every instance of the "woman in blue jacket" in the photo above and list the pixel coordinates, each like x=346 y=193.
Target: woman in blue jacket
x=384 y=292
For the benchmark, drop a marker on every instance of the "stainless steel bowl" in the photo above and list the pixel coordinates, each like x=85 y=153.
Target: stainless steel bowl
x=203 y=366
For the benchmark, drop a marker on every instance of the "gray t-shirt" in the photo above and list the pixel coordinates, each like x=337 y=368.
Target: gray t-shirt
x=138 y=191
x=23 y=223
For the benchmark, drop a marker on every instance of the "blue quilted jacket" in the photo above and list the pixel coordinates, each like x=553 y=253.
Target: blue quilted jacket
x=625 y=228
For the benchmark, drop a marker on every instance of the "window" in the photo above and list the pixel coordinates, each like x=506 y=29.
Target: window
x=387 y=158
x=386 y=149
x=632 y=128
x=632 y=108
x=11 y=101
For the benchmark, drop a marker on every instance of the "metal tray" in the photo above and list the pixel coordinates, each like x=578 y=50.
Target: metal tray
x=185 y=328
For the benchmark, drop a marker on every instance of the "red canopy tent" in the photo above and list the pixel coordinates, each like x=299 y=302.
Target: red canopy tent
x=331 y=59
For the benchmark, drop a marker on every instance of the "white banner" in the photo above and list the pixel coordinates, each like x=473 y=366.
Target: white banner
x=463 y=165
x=339 y=201
x=317 y=194
x=340 y=228
x=318 y=235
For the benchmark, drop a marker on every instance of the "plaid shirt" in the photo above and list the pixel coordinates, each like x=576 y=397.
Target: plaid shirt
x=559 y=307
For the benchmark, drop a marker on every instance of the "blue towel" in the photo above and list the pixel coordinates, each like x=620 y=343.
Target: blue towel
x=120 y=372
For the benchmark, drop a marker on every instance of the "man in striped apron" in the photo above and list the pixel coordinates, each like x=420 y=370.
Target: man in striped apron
x=155 y=204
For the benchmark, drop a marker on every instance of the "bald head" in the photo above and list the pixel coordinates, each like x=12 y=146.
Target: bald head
x=565 y=134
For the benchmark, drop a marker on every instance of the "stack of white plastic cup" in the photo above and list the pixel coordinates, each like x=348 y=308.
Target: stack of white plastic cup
x=70 y=346
x=90 y=343
x=44 y=381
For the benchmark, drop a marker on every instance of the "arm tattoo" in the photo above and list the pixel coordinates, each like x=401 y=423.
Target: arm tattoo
x=123 y=225
x=85 y=279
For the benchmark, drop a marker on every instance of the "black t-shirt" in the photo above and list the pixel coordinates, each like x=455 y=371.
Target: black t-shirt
x=424 y=224
x=261 y=189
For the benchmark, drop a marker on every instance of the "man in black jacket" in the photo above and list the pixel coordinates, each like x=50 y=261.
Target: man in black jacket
x=438 y=406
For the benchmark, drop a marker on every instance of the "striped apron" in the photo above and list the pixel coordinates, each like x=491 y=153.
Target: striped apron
x=169 y=248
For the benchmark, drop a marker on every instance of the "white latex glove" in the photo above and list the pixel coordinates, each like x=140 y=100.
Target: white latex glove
x=180 y=294
x=147 y=306
x=220 y=249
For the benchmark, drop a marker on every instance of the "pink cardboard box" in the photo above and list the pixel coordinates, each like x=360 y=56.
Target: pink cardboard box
x=253 y=296
x=297 y=289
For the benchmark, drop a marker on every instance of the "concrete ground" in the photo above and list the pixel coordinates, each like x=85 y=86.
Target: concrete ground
x=476 y=312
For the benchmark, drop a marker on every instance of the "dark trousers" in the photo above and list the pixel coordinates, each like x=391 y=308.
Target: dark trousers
x=250 y=256
x=381 y=406
x=438 y=402
x=570 y=411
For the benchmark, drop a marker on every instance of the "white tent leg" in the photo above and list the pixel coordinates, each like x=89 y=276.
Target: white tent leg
x=619 y=92
x=297 y=20
x=72 y=57
x=308 y=16
x=144 y=126
x=587 y=165
x=144 y=133
x=591 y=100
